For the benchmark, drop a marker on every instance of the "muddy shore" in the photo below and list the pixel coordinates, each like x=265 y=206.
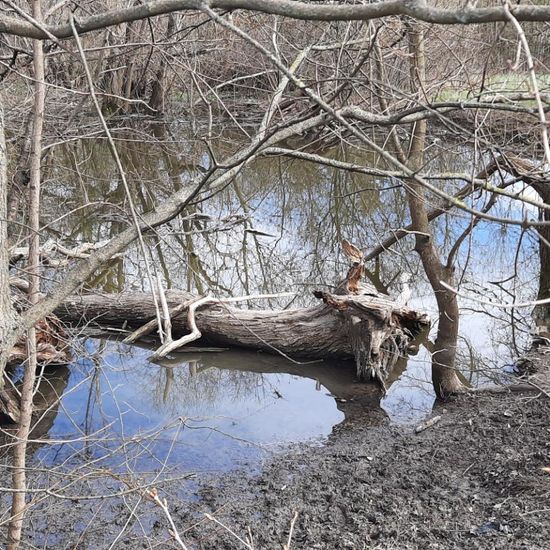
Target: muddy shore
x=476 y=479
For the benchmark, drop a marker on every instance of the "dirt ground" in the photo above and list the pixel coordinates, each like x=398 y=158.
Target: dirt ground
x=474 y=480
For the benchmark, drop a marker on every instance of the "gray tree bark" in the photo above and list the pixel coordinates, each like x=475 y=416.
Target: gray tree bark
x=416 y=9
x=327 y=331
x=8 y=316
x=19 y=472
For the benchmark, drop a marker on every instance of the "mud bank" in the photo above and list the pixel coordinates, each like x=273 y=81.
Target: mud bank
x=474 y=480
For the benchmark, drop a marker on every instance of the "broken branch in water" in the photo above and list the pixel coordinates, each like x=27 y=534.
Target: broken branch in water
x=147 y=328
x=379 y=329
x=51 y=248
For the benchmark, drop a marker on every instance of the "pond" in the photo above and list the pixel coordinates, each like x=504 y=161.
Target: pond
x=202 y=412
x=277 y=228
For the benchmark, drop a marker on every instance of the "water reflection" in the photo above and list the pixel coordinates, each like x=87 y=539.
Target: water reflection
x=201 y=412
x=278 y=227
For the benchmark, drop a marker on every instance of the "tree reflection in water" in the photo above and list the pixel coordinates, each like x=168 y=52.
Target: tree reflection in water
x=278 y=228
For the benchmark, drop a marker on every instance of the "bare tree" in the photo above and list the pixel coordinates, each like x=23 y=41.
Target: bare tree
x=370 y=78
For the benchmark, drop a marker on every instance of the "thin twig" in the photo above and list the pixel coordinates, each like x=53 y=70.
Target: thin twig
x=163 y=505
x=166 y=334
x=533 y=78
x=212 y=518
x=496 y=304
x=291 y=531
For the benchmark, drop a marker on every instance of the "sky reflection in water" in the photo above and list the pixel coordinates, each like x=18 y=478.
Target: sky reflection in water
x=307 y=210
x=194 y=415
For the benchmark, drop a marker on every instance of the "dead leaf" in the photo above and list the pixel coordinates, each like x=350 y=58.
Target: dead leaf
x=352 y=252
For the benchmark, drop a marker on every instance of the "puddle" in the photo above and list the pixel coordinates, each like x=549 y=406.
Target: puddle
x=206 y=412
x=201 y=412
x=215 y=411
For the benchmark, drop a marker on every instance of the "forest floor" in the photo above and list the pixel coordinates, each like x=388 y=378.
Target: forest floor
x=479 y=479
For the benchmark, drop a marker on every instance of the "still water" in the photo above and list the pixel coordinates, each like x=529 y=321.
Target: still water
x=276 y=228
x=202 y=412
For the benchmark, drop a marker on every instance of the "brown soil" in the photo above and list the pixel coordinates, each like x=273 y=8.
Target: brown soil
x=474 y=480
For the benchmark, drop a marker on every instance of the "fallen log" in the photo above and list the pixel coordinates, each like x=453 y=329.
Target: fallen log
x=355 y=322
x=372 y=329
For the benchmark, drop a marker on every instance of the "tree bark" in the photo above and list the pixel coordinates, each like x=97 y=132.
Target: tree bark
x=8 y=316
x=323 y=332
x=444 y=377
x=156 y=100
x=417 y=9
x=542 y=313
x=19 y=474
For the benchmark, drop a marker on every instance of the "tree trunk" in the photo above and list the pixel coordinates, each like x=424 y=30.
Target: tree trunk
x=19 y=472
x=156 y=100
x=8 y=316
x=541 y=313
x=326 y=331
x=444 y=377
x=531 y=174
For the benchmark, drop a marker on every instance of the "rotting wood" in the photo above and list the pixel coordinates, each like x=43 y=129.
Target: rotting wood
x=314 y=332
x=356 y=322
x=53 y=346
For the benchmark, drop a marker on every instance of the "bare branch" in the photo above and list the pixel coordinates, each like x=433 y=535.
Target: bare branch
x=501 y=305
x=533 y=78
x=195 y=333
x=417 y=9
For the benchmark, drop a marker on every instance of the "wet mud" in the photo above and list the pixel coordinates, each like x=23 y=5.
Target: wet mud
x=474 y=480
x=479 y=479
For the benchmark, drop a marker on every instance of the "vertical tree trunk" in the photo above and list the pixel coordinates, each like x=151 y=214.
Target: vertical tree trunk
x=20 y=448
x=158 y=90
x=541 y=314
x=444 y=376
x=8 y=317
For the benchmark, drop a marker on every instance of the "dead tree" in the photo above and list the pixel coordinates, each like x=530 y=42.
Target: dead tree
x=355 y=322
